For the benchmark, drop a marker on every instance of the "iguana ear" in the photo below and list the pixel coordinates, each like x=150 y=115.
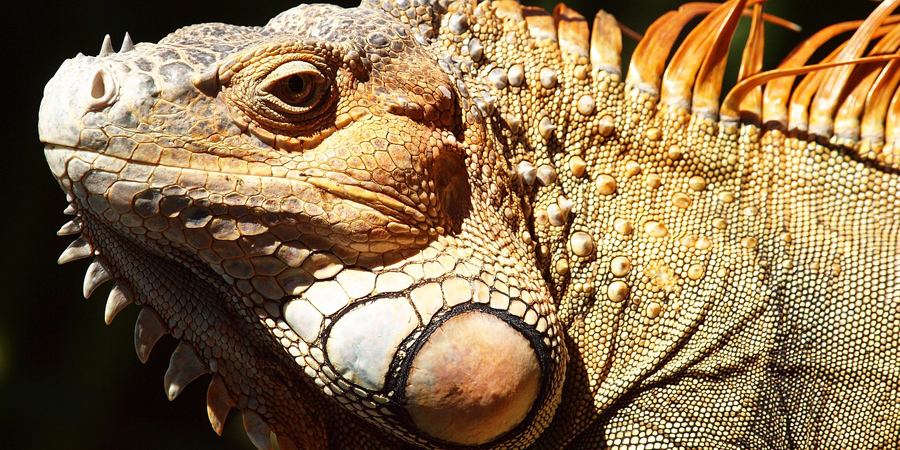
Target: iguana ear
x=423 y=16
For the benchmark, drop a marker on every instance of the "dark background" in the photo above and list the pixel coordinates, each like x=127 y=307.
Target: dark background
x=67 y=381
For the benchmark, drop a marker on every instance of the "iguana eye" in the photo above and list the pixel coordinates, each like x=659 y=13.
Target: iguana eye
x=293 y=87
x=297 y=88
x=282 y=90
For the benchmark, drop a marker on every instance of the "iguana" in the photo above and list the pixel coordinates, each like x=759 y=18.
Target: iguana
x=451 y=224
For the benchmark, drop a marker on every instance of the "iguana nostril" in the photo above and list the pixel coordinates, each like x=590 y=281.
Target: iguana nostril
x=103 y=89
x=98 y=88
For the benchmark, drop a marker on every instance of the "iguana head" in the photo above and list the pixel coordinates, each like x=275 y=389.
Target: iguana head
x=318 y=211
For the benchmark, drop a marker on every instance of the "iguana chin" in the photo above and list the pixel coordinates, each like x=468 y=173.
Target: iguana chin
x=457 y=225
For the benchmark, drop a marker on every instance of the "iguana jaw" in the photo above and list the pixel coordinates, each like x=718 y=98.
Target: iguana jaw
x=182 y=297
x=106 y=240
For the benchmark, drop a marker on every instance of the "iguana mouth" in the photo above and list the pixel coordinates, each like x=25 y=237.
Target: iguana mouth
x=415 y=223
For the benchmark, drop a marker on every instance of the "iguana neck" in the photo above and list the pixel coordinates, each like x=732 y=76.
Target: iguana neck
x=636 y=211
x=599 y=165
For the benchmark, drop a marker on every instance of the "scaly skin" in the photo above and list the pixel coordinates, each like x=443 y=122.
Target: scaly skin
x=457 y=226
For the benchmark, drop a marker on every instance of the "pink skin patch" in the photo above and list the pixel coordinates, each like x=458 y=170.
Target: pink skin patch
x=475 y=379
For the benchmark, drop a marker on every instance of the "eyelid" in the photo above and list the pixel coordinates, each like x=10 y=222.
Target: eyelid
x=291 y=68
x=260 y=86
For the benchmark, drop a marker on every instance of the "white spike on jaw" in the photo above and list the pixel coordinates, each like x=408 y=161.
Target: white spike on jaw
x=78 y=249
x=218 y=403
x=70 y=210
x=97 y=274
x=119 y=297
x=70 y=228
x=106 y=48
x=257 y=430
x=147 y=330
x=286 y=443
x=184 y=366
x=127 y=45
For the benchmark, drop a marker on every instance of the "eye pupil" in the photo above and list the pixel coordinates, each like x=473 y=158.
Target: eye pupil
x=296 y=84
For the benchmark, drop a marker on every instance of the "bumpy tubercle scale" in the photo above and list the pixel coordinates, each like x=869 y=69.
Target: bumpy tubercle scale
x=459 y=170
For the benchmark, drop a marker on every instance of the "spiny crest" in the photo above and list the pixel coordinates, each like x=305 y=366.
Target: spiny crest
x=849 y=98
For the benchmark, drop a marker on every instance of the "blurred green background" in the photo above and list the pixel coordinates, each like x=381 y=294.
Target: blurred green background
x=67 y=381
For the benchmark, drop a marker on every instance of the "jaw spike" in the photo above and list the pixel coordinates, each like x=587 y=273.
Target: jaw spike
x=527 y=172
x=70 y=210
x=70 y=228
x=606 y=44
x=218 y=403
x=78 y=249
x=285 y=443
x=97 y=274
x=119 y=297
x=147 y=330
x=106 y=48
x=127 y=45
x=184 y=366
x=257 y=430
x=821 y=115
x=708 y=88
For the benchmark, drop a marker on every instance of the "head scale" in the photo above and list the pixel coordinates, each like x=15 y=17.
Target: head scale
x=323 y=202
